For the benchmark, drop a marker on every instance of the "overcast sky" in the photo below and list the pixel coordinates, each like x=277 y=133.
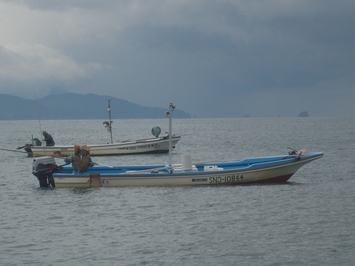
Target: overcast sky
x=221 y=58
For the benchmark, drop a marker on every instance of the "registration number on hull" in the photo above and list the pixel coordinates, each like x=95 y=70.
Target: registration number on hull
x=225 y=179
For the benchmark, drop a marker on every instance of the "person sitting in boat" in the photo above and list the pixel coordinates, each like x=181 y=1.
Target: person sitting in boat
x=81 y=159
x=48 y=138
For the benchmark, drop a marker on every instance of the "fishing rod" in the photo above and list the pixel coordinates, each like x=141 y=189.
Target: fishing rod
x=38 y=154
x=114 y=167
x=54 y=156
x=39 y=118
x=13 y=150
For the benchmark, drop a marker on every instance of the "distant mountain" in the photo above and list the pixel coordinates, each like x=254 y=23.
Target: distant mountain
x=78 y=106
x=16 y=108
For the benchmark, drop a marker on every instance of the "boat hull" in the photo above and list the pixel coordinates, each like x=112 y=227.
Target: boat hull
x=258 y=170
x=153 y=145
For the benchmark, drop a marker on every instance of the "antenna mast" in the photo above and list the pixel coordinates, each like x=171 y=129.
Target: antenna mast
x=39 y=118
x=170 y=116
x=109 y=128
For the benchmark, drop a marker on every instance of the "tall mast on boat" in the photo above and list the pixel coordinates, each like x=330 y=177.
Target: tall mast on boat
x=39 y=119
x=170 y=115
x=109 y=127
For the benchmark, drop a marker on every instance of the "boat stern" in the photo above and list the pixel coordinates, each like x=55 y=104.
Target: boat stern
x=43 y=168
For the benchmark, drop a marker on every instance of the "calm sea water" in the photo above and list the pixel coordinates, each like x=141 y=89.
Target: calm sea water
x=307 y=221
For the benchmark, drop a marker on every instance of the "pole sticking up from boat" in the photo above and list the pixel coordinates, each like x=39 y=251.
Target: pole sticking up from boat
x=39 y=119
x=170 y=115
x=109 y=128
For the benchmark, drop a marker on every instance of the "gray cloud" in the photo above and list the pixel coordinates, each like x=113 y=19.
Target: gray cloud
x=211 y=58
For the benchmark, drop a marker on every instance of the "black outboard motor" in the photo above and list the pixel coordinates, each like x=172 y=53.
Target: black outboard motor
x=43 y=168
x=27 y=147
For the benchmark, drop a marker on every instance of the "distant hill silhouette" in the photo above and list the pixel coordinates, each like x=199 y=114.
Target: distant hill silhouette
x=78 y=106
x=303 y=114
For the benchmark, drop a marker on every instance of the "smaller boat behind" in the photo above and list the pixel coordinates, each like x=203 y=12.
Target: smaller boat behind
x=158 y=144
x=149 y=145
x=270 y=169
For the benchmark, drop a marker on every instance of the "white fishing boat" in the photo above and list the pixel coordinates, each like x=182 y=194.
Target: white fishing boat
x=157 y=144
x=149 y=145
x=269 y=169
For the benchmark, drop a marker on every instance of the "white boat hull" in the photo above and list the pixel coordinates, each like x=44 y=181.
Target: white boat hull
x=152 y=145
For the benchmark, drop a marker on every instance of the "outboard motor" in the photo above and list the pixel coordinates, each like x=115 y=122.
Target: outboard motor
x=27 y=147
x=43 y=168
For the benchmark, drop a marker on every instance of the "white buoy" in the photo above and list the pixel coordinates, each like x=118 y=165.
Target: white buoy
x=186 y=164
